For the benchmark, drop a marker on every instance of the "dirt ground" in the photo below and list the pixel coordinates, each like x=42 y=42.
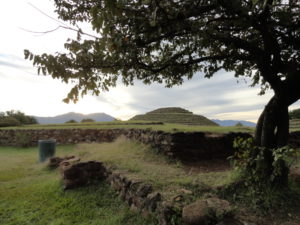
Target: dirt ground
x=205 y=166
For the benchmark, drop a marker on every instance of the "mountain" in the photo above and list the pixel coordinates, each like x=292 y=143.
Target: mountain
x=175 y=115
x=98 y=117
x=227 y=123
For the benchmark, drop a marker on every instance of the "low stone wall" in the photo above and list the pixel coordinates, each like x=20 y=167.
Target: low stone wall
x=142 y=198
x=184 y=146
x=190 y=146
x=62 y=136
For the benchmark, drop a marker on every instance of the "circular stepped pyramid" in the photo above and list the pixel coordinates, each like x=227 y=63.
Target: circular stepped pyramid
x=175 y=115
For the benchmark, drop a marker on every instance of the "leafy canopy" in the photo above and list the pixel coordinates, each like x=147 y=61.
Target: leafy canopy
x=169 y=40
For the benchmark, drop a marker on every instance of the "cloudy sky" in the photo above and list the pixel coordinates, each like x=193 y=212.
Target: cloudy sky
x=221 y=97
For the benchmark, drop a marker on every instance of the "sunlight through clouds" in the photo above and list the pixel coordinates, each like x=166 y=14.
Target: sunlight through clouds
x=22 y=89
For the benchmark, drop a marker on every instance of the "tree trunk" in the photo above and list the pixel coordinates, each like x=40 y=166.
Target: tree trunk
x=272 y=129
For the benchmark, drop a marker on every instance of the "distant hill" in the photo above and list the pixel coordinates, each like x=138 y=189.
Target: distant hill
x=98 y=117
x=175 y=115
x=228 y=123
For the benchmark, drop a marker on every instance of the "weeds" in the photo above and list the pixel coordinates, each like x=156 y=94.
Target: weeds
x=261 y=178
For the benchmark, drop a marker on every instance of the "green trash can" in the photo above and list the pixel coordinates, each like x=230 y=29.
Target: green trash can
x=46 y=149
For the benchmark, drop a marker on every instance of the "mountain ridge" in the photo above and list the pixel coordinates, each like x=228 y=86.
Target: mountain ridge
x=228 y=123
x=98 y=117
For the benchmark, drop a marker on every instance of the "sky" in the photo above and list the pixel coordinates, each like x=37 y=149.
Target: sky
x=221 y=97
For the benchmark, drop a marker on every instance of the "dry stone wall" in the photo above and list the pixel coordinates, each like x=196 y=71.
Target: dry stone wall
x=189 y=146
x=142 y=198
x=62 y=136
x=184 y=146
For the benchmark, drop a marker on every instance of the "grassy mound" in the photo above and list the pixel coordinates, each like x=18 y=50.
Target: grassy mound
x=175 y=115
x=170 y=110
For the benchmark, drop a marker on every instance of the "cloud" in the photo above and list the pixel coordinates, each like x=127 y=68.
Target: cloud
x=13 y=65
x=211 y=98
x=21 y=88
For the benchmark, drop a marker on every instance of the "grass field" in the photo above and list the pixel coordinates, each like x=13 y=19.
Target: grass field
x=141 y=162
x=168 y=127
x=31 y=194
x=137 y=125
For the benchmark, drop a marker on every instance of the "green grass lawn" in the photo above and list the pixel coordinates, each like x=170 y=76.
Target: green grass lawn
x=32 y=194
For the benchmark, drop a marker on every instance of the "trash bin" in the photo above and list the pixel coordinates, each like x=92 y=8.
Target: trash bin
x=46 y=149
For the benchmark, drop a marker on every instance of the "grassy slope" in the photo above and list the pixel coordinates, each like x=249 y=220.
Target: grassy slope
x=138 y=125
x=31 y=194
x=171 y=110
x=140 y=162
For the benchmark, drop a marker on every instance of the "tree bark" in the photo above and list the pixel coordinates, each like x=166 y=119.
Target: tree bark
x=272 y=128
x=272 y=131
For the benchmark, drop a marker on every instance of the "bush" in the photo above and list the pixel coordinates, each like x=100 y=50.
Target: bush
x=15 y=118
x=263 y=173
x=71 y=121
x=21 y=117
x=239 y=124
x=9 y=122
x=87 y=121
x=261 y=166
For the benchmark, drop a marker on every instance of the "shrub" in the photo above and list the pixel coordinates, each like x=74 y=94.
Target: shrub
x=87 y=120
x=71 y=121
x=15 y=118
x=9 y=122
x=261 y=166
x=239 y=124
x=21 y=117
x=263 y=173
